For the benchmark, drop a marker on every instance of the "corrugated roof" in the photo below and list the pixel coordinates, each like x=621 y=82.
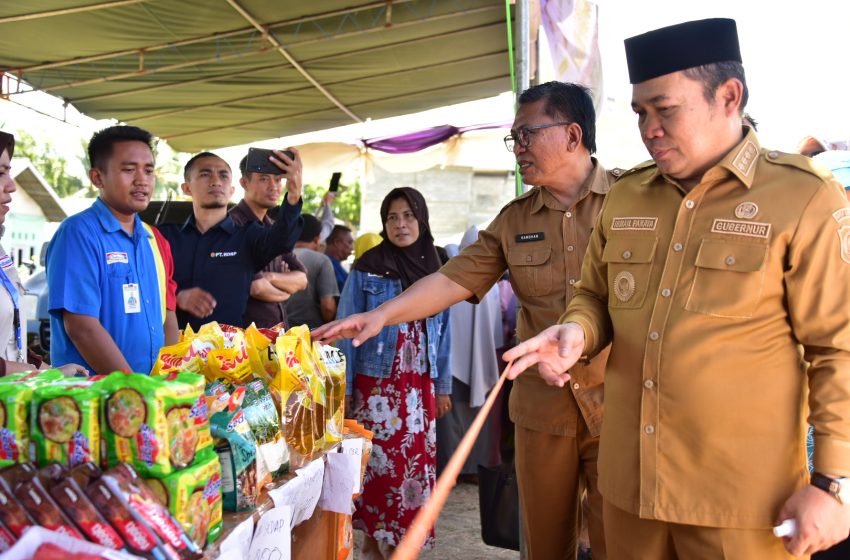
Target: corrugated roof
x=31 y=181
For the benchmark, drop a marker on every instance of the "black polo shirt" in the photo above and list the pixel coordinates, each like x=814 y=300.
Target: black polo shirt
x=224 y=259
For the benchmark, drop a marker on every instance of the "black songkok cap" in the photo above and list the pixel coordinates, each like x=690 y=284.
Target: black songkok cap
x=680 y=47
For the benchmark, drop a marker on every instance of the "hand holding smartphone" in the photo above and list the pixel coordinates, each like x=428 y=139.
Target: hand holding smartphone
x=258 y=161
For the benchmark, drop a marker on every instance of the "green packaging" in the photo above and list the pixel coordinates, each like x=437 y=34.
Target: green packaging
x=15 y=395
x=237 y=451
x=156 y=424
x=65 y=423
x=193 y=496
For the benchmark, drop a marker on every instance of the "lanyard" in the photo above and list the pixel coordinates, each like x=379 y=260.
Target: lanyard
x=16 y=318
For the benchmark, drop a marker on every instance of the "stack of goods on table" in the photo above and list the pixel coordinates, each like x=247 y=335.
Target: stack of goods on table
x=156 y=459
x=274 y=398
x=57 y=434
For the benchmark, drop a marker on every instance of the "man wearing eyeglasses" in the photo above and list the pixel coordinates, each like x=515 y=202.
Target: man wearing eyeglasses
x=540 y=237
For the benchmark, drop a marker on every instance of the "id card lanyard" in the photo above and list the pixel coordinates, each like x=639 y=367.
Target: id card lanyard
x=16 y=318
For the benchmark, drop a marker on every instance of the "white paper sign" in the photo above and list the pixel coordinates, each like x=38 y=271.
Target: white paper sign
x=302 y=492
x=238 y=541
x=338 y=484
x=354 y=447
x=273 y=537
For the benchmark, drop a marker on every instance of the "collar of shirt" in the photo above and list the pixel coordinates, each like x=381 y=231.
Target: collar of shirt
x=596 y=182
x=110 y=223
x=740 y=161
x=244 y=211
x=226 y=224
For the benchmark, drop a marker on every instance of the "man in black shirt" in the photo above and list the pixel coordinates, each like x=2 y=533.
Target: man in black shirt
x=214 y=259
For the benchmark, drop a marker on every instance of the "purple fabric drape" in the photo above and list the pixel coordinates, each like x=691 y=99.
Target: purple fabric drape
x=416 y=141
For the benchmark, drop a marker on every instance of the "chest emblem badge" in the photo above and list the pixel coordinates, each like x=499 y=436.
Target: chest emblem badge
x=746 y=210
x=624 y=286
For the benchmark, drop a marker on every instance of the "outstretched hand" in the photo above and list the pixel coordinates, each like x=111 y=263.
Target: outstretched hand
x=359 y=327
x=556 y=349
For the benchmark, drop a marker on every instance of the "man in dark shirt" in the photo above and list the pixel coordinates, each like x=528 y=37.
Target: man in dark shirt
x=285 y=274
x=338 y=247
x=214 y=259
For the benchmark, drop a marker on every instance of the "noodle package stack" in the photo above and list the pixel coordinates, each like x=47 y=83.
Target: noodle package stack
x=156 y=424
x=15 y=395
x=65 y=423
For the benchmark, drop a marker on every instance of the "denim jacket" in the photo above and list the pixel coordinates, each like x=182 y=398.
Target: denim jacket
x=365 y=292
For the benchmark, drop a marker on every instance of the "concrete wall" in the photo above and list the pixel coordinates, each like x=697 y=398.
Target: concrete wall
x=457 y=198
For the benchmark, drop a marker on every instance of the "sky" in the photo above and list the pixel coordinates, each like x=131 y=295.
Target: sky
x=796 y=56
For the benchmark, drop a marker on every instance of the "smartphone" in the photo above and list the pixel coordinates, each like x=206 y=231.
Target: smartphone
x=258 y=161
x=335 y=182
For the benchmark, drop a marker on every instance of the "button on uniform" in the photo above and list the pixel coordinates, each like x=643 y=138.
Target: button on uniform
x=649 y=384
x=650 y=429
x=677 y=247
x=653 y=335
x=730 y=260
x=575 y=386
x=627 y=254
x=666 y=292
x=690 y=204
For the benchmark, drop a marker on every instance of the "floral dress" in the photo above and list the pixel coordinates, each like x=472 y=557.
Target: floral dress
x=400 y=410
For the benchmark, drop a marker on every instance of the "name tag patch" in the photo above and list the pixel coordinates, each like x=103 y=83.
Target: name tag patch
x=6 y=262
x=737 y=227
x=635 y=223
x=526 y=237
x=117 y=257
x=841 y=214
x=221 y=254
x=131 y=299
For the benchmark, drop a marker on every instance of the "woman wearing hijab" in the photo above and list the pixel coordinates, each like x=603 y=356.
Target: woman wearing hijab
x=398 y=381
x=14 y=356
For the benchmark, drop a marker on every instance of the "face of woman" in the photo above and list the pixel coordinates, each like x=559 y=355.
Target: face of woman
x=402 y=225
x=7 y=185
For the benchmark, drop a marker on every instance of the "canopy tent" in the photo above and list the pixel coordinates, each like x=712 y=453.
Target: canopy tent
x=209 y=73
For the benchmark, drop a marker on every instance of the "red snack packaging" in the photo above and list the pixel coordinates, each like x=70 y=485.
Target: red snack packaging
x=74 y=502
x=145 y=505
x=51 y=551
x=7 y=539
x=29 y=491
x=12 y=514
x=139 y=538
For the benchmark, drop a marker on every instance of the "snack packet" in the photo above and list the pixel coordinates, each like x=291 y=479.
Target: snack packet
x=295 y=395
x=237 y=451
x=233 y=363
x=331 y=361
x=15 y=396
x=27 y=488
x=12 y=514
x=65 y=423
x=156 y=424
x=262 y=416
x=193 y=496
x=68 y=494
x=261 y=353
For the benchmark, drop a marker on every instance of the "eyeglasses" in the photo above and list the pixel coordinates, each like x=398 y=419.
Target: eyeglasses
x=523 y=137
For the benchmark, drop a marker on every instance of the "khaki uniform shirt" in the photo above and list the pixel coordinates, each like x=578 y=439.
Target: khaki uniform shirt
x=707 y=296
x=542 y=243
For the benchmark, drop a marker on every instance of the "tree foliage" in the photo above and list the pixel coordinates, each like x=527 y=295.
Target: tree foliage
x=50 y=163
x=346 y=207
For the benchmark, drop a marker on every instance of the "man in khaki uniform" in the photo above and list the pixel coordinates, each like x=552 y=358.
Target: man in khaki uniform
x=540 y=237
x=708 y=268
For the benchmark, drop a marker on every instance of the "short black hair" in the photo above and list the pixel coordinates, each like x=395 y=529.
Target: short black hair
x=102 y=141
x=188 y=167
x=337 y=232
x=711 y=76
x=567 y=101
x=243 y=168
x=312 y=228
x=7 y=143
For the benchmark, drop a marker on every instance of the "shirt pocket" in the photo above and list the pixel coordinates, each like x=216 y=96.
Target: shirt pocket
x=531 y=269
x=119 y=272
x=375 y=292
x=629 y=262
x=729 y=278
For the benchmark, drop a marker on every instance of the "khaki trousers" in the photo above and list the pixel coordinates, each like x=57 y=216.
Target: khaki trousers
x=631 y=538
x=550 y=472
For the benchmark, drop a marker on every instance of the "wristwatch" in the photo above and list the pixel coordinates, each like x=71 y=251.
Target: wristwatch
x=838 y=488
